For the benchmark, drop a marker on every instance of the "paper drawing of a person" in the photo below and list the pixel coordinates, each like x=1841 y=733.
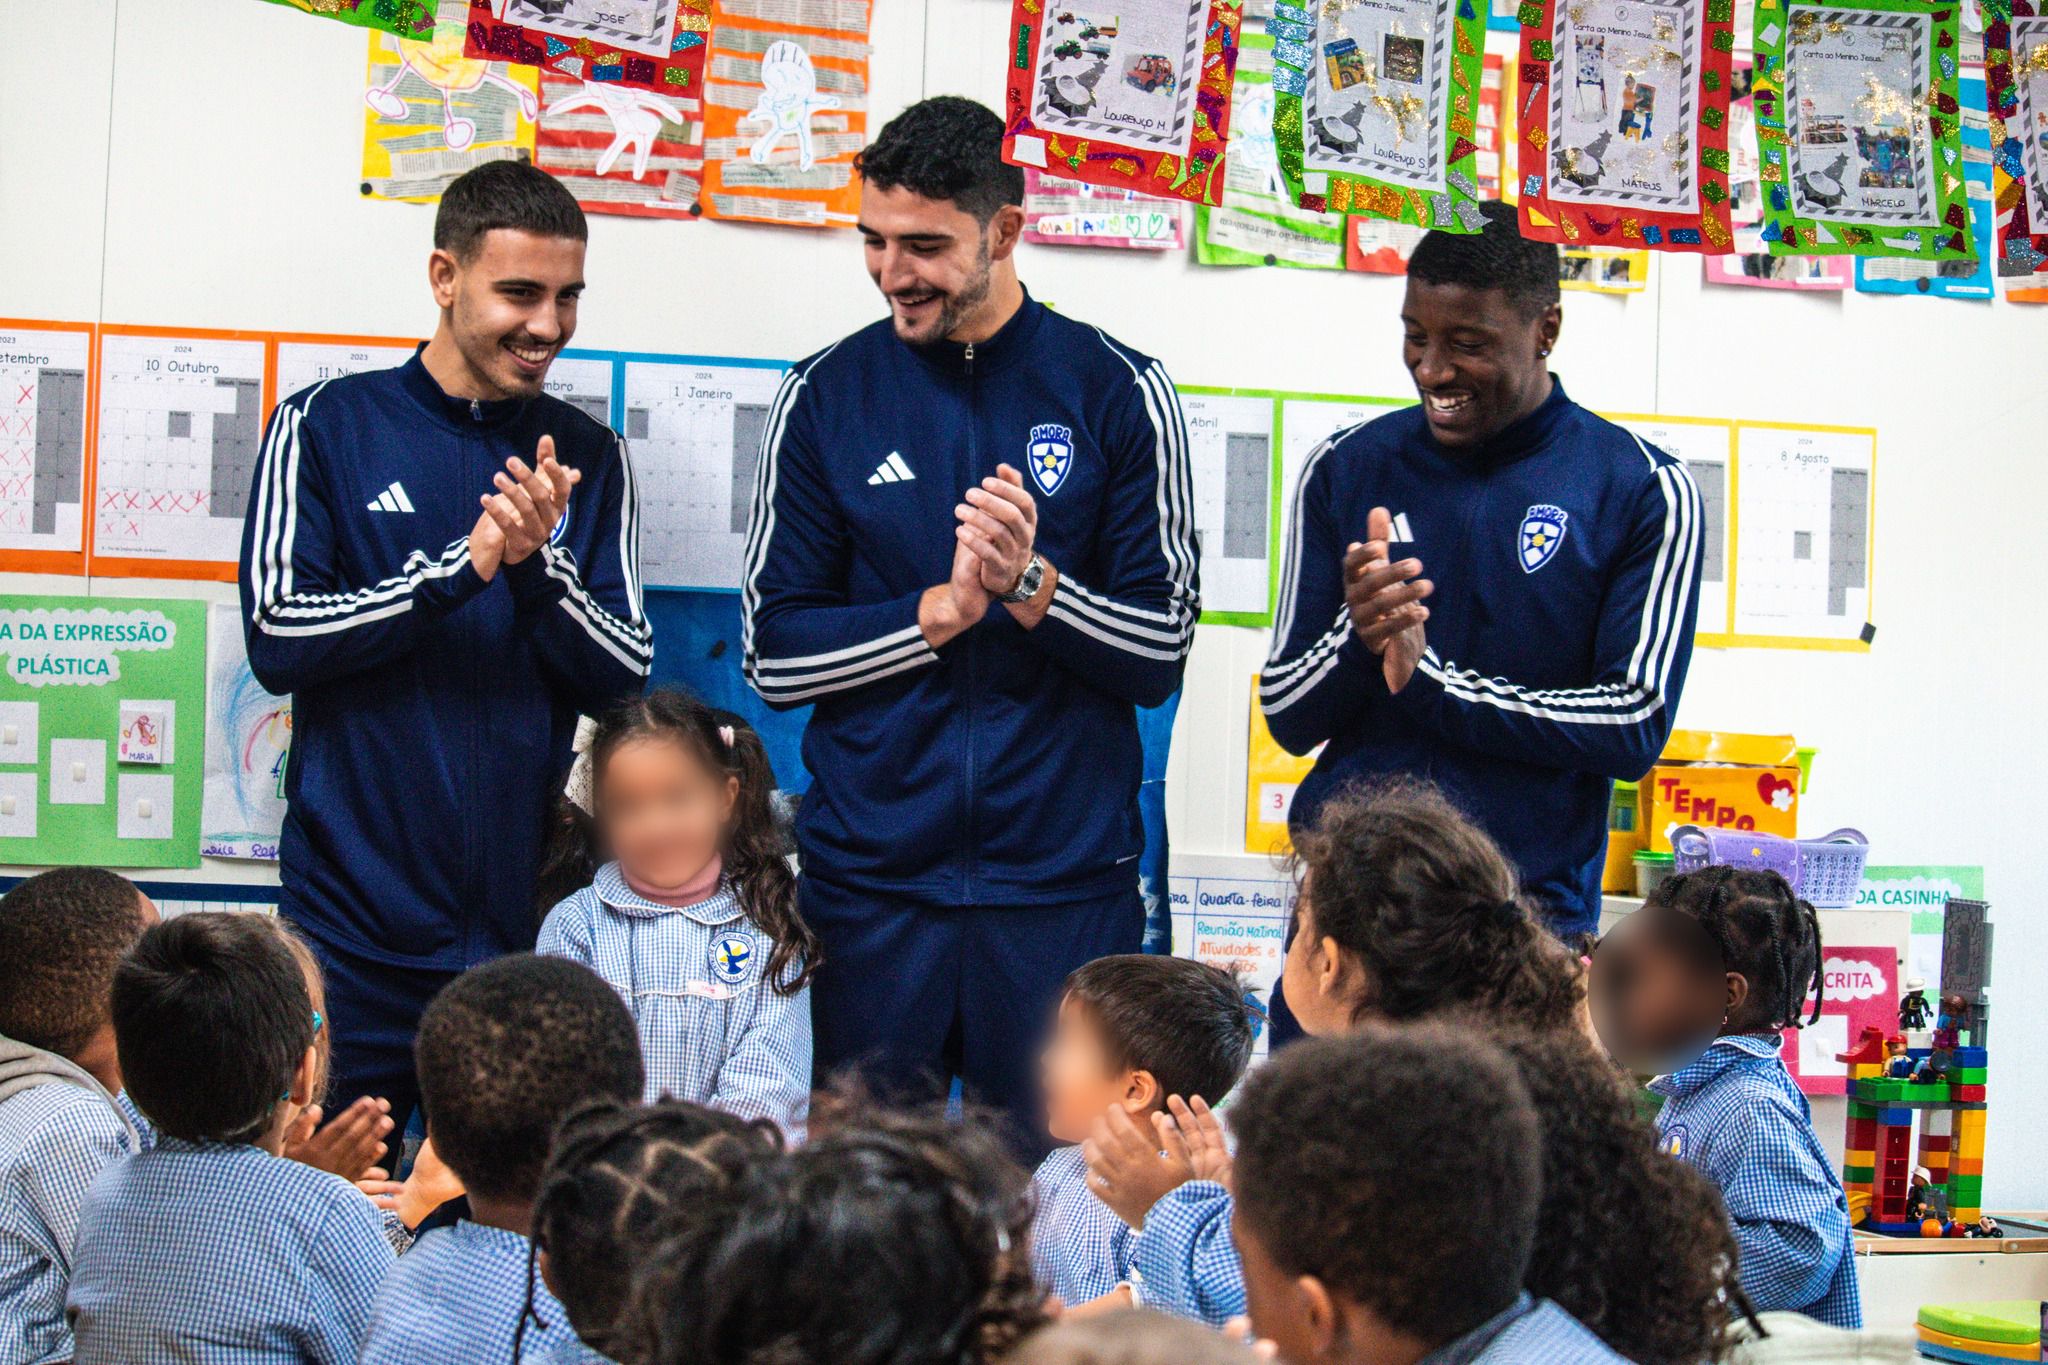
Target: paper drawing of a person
x=789 y=96
x=636 y=118
x=442 y=65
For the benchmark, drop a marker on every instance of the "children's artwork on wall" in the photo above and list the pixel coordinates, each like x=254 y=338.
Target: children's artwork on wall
x=1625 y=128
x=1062 y=212
x=1603 y=269
x=430 y=112
x=1257 y=222
x=405 y=18
x=248 y=743
x=652 y=45
x=1375 y=108
x=1958 y=279
x=45 y=414
x=620 y=148
x=1134 y=96
x=2016 y=97
x=1752 y=265
x=785 y=111
x=176 y=438
x=1858 y=129
x=102 y=731
x=1378 y=246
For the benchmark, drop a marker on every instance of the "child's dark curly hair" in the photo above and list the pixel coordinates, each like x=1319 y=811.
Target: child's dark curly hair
x=1765 y=933
x=1400 y=878
x=1631 y=1242
x=756 y=847
x=618 y=1178
x=893 y=1239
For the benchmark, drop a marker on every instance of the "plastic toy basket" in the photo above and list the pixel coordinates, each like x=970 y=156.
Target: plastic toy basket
x=1826 y=871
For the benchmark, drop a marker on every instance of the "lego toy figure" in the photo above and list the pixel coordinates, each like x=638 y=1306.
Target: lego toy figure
x=1935 y=1067
x=1913 y=1005
x=1987 y=1226
x=1949 y=1024
x=1897 y=1064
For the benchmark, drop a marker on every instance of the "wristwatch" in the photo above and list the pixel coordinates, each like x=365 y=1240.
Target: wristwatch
x=1028 y=582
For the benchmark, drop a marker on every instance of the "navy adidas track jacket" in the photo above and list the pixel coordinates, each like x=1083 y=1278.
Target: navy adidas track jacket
x=1002 y=768
x=1566 y=558
x=432 y=711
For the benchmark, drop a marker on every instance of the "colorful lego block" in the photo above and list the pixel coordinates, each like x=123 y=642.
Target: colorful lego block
x=1969 y=1075
x=1966 y=1093
x=1972 y=1056
x=1853 y=1174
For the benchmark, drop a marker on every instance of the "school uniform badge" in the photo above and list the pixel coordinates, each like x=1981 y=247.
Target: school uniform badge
x=732 y=958
x=1049 y=453
x=1542 y=531
x=1675 y=1141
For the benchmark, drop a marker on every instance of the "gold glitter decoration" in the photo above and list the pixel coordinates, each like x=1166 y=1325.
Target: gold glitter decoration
x=1571 y=229
x=1716 y=234
x=1537 y=138
x=1663 y=30
x=1420 y=204
x=701 y=23
x=1568 y=161
x=1808 y=27
x=1881 y=103
x=1578 y=14
x=1949 y=184
x=1340 y=196
x=1631 y=229
x=1461 y=126
x=1997 y=129
x=1461 y=103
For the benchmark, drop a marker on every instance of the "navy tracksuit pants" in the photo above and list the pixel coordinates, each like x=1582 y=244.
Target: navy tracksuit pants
x=911 y=996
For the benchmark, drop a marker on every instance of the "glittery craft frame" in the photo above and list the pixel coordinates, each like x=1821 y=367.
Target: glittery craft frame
x=1700 y=129
x=1196 y=178
x=588 y=59
x=1450 y=118
x=2015 y=51
x=404 y=18
x=1785 y=231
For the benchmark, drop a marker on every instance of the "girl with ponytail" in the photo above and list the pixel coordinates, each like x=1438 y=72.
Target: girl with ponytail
x=687 y=904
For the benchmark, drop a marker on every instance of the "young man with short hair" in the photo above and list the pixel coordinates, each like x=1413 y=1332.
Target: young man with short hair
x=976 y=639
x=416 y=573
x=1547 y=658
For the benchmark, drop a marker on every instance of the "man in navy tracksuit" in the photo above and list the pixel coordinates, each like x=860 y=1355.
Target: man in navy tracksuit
x=439 y=637
x=972 y=831
x=1564 y=563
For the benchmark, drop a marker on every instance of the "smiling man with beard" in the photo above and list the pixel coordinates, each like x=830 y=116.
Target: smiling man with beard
x=416 y=573
x=1541 y=658
x=972 y=549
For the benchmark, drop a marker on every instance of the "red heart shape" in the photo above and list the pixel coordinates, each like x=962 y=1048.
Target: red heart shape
x=1772 y=787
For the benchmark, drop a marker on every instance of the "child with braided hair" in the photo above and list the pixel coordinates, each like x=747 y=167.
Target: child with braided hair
x=1736 y=1114
x=619 y=1179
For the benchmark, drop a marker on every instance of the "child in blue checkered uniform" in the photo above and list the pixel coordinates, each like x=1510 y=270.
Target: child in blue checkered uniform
x=211 y=1245
x=1406 y=909
x=504 y=1053
x=63 y=1115
x=1132 y=1032
x=1342 y=1139
x=693 y=919
x=1735 y=1112
x=623 y=1179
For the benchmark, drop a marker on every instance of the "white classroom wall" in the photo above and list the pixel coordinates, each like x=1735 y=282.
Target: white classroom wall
x=194 y=163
